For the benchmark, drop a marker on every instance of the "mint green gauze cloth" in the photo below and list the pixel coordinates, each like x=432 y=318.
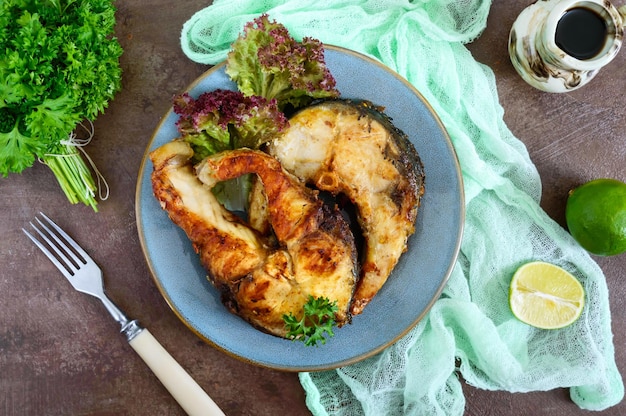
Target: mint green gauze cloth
x=470 y=330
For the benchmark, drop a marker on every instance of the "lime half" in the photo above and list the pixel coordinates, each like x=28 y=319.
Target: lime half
x=546 y=296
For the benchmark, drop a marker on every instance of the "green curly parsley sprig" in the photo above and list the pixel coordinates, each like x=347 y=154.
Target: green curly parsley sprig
x=318 y=319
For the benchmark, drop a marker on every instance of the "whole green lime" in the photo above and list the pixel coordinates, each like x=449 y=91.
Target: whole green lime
x=596 y=216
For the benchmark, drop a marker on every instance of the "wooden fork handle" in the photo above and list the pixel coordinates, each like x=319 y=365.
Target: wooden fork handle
x=176 y=380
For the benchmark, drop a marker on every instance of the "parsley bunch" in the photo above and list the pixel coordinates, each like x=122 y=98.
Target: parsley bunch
x=317 y=319
x=59 y=66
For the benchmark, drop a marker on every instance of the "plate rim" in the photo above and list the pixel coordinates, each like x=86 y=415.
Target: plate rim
x=343 y=362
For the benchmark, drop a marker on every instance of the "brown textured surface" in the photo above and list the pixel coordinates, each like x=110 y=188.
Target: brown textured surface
x=60 y=353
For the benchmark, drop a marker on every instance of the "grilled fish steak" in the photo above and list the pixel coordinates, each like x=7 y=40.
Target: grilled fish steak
x=312 y=251
x=352 y=148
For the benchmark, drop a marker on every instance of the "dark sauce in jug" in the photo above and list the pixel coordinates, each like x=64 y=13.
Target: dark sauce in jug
x=581 y=33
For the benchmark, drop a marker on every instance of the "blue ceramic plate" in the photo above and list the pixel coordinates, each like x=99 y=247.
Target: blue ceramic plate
x=415 y=283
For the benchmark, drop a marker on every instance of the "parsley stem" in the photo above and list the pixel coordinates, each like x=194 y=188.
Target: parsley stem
x=73 y=175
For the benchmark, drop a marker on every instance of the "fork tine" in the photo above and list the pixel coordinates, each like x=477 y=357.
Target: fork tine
x=61 y=247
x=66 y=260
x=62 y=267
x=67 y=238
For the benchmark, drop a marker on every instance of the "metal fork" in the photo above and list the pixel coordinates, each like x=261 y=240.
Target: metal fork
x=85 y=276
